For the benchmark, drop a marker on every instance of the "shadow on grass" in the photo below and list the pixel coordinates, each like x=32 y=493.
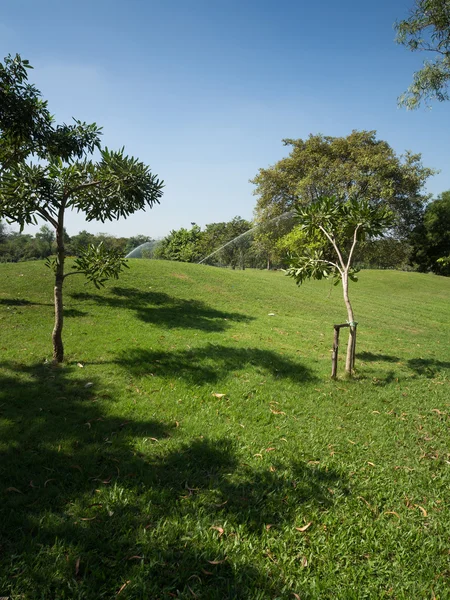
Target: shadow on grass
x=210 y=364
x=161 y=309
x=91 y=502
x=21 y=302
x=428 y=367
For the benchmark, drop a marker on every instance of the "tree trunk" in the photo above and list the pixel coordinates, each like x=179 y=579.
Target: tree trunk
x=349 y=361
x=58 y=348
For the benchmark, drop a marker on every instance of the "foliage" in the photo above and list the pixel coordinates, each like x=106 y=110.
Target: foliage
x=136 y=241
x=216 y=235
x=427 y=29
x=180 y=245
x=356 y=166
x=329 y=221
x=130 y=472
x=431 y=240
x=111 y=187
x=387 y=252
x=193 y=245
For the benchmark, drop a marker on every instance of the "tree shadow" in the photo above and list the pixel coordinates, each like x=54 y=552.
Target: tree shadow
x=74 y=312
x=210 y=364
x=428 y=367
x=92 y=501
x=165 y=310
x=371 y=357
x=21 y=302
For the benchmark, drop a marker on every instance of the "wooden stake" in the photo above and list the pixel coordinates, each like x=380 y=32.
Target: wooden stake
x=334 y=355
x=354 y=347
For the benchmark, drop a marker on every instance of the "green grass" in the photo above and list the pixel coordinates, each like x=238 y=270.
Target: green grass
x=126 y=476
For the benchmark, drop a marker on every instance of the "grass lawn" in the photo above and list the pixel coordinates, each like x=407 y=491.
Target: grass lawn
x=192 y=446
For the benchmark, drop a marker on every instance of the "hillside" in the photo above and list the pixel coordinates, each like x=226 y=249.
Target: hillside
x=193 y=445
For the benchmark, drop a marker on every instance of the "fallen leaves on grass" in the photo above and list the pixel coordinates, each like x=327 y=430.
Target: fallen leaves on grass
x=219 y=529
x=217 y=562
x=13 y=489
x=277 y=412
x=122 y=587
x=305 y=527
x=217 y=395
x=392 y=512
x=422 y=510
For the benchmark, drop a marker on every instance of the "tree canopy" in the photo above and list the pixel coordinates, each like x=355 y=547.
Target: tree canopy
x=427 y=29
x=356 y=166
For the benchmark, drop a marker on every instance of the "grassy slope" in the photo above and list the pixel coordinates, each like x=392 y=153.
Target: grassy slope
x=129 y=475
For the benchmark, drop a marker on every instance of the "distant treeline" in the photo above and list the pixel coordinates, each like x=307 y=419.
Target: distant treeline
x=242 y=244
x=15 y=246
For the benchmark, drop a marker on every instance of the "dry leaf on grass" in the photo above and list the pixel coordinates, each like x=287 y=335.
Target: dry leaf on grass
x=422 y=510
x=305 y=527
x=216 y=562
x=216 y=395
x=219 y=529
x=123 y=587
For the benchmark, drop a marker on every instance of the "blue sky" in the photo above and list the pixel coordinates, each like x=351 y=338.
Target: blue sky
x=204 y=91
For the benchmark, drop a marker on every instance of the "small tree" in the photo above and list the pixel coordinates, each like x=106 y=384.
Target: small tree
x=65 y=178
x=339 y=226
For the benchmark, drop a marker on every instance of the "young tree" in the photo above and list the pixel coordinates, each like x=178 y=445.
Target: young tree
x=427 y=30
x=338 y=224
x=358 y=165
x=65 y=178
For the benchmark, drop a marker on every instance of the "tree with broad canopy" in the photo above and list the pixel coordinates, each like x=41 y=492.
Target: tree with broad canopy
x=356 y=166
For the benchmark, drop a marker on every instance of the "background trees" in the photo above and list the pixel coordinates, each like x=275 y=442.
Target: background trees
x=431 y=239
x=427 y=30
x=66 y=177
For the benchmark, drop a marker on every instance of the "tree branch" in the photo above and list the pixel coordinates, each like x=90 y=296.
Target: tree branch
x=74 y=273
x=350 y=254
x=341 y=260
x=47 y=216
x=82 y=186
x=329 y=262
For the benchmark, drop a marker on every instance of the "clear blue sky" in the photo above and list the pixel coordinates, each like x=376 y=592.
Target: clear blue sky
x=204 y=91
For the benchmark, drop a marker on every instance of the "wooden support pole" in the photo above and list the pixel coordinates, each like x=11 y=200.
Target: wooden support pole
x=334 y=355
x=354 y=347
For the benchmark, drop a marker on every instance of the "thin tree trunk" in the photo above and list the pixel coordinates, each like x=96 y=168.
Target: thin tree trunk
x=58 y=348
x=351 y=344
